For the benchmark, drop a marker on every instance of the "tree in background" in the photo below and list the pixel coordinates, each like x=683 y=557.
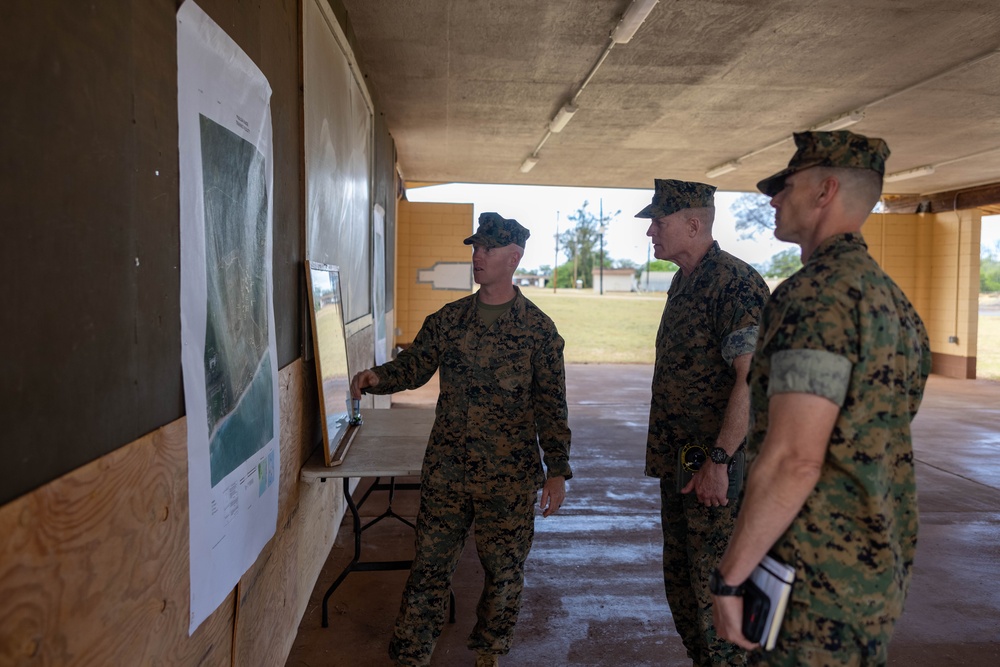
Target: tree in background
x=753 y=214
x=662 y=265
x=581 y=245
x=989 y=269
x=782 y=264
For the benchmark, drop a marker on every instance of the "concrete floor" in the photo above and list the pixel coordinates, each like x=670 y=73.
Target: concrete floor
x=594 y=592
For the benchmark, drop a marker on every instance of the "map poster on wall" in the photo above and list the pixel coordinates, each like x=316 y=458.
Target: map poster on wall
x=227 y=318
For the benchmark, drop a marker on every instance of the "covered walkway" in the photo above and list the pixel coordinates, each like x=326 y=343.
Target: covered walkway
x=594 y=593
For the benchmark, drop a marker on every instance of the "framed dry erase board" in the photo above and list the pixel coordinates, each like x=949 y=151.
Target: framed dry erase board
x=330 y=348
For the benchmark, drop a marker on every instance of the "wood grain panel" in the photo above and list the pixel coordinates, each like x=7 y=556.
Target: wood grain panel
x=274 y=593
x=94 y=565
x=292 y=431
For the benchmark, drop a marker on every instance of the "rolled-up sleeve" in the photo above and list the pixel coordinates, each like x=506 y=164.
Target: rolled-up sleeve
x=739 y=342
x=810 y=372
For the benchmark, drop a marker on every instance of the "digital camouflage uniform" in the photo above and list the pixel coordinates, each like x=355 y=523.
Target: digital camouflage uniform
x=842 y=329
x=710 y=318
x=503 y=393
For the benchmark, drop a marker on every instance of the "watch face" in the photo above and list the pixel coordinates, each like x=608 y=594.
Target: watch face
x=719 y=455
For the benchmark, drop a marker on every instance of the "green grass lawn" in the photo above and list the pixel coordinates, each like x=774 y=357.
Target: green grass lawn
x=619 y=328
x=988 y=352
x=614 y=328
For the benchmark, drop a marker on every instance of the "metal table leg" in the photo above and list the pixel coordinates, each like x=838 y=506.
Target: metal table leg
x=374 y=566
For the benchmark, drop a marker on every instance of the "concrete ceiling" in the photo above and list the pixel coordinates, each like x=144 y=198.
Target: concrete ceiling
x=468 y=87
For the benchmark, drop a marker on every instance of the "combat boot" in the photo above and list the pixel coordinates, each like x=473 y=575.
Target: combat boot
x=487 y=660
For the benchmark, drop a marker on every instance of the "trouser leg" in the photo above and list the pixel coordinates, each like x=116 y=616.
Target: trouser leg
x=694 y=539
x=443 y=523
x=505 y=526
x=677 y=572
x=812 y=640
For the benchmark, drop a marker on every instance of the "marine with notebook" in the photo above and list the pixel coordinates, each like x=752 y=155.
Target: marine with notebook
x=837 y=376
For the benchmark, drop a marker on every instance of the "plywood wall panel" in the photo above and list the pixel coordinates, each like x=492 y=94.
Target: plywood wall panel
x=94 y=565
x=274 y=593
x=292 y=400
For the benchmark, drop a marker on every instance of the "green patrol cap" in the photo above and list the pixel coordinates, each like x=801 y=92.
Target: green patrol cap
x=495 y=232
x=671 y=196
x=829 y=149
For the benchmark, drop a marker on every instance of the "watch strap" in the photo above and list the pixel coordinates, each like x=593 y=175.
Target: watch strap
x=718 y=586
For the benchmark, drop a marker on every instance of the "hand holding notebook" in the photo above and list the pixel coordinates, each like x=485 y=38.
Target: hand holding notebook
x=765 y=598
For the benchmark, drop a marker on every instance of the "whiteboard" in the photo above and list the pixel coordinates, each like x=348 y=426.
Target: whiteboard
x=338 y=158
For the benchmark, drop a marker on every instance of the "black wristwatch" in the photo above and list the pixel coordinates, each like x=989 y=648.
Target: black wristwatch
x=719 y=455
x=718 y=586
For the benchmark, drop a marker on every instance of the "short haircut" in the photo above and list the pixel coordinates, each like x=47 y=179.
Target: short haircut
x=706 y=214
x=862 y=187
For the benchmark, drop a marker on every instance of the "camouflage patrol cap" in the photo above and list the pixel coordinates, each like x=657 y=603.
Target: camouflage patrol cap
x=671 y=196
x=495 y=232
x=829 y=149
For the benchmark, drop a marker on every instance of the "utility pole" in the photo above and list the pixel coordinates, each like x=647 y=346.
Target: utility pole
x=649 y=246
x=555 y=266
x=602 y=229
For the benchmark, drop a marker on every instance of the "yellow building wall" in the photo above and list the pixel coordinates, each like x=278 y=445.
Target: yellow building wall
x=428 y=234
x=934 y=258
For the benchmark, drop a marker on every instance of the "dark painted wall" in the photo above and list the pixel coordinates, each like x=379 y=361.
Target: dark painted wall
x=89 y=234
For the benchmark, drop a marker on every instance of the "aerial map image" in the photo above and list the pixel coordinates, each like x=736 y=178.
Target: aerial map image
x=238 y=377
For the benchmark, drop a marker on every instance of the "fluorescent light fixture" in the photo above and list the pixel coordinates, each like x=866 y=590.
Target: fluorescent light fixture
x=840 y=122
x=723 y=168
x=559 y=122
x=631 y=20
x=916 y=172
x=528 y=164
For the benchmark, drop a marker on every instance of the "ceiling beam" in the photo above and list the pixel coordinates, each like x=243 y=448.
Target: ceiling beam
x=981 y=196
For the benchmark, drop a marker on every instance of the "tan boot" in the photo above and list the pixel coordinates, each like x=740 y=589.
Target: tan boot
x=487 y=660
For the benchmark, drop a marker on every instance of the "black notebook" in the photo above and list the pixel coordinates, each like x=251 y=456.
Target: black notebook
x=765 y=597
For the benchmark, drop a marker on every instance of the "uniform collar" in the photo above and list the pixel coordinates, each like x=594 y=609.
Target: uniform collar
x=684 y=283
x=516 y=308
x=837 y=244
x=710 y=255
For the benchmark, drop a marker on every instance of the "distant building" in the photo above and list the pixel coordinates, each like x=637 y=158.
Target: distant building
x=655 y=281
x=615 y=280
x=529 y=280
